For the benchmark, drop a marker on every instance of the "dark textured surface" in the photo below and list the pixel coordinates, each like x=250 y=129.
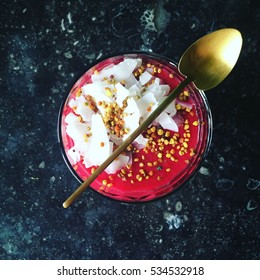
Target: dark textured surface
x=45 y=46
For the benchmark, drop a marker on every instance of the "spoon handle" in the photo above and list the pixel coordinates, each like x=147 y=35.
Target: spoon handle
x=164 y=104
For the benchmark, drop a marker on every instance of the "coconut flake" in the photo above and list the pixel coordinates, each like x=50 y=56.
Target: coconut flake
x=132 y=116
x=145 y=77
x=131 y=81
x=85 y=112
x=100 y=147
x=71 y=118
x=76 y=130
x=104 y=73
x=72 y=103
x=147 y=104
x=167 y=122
x=159 y=90
x=117 y=164
x=82 y=146
x=74 y=155
x=98 y=91
x=140 y=142
x=120 y=72
x=125 y=68
x=121 y=94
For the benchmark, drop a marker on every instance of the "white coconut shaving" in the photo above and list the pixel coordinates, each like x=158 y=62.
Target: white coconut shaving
x=137 y=99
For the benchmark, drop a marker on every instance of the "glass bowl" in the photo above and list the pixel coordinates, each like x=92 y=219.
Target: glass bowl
x=170 y=160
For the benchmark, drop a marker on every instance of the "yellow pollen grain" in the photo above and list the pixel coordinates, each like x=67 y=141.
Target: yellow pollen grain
x=141 y=171
x=167 y=134
x=178 y=106
x=128 y=166
x=140 y=70
x=192 y=153
x=160 y=132
x=85 y=137
x=153 y=128
x=186 y=127
x=78 y=94
x=195 y=123
x=108 y=92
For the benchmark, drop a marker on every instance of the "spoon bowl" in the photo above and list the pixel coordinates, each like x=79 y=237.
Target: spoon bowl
x=210 y=59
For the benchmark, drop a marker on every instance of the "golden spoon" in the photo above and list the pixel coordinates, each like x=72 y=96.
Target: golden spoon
x=207 y=62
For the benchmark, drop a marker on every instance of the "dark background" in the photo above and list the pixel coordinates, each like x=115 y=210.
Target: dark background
x=44 y=47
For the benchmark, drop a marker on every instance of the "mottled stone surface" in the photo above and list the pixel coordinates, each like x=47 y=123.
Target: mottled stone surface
x=45 y=46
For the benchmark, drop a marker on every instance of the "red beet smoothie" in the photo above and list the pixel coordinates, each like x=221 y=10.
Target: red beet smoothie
x=170 y=159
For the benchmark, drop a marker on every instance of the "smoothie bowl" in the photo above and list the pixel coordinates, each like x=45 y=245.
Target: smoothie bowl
x=109 y=102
